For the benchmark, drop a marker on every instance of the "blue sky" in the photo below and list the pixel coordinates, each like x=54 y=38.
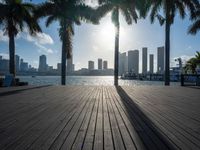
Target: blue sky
x=97 y=41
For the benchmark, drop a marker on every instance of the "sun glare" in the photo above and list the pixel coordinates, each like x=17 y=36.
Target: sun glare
x=108 y=31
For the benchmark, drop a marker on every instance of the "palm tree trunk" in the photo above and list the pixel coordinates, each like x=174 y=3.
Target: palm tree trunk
x=63 y=61
x=12 y=54
x=116 y=68
x=167 y=50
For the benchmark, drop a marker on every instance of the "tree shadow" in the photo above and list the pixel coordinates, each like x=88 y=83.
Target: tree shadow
x=7 y=93
x=151 y=136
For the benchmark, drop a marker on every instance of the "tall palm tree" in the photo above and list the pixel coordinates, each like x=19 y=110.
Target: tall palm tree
x=170 y=7
x=68 y=13
x=129 y=9
x=15 y=15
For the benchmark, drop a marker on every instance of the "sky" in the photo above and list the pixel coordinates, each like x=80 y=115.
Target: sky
x=91 y=42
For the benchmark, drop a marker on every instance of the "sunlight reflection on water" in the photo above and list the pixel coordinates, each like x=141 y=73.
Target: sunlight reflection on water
x=85 y=80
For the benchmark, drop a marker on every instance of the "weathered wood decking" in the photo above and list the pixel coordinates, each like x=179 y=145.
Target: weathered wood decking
x=100 y=118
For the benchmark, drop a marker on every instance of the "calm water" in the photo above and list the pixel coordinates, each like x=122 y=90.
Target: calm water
x=84 y=80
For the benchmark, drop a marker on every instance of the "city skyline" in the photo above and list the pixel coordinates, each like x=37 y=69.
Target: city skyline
x=97 y=41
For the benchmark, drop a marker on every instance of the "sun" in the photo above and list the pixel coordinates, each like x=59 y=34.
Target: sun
x=108 y=31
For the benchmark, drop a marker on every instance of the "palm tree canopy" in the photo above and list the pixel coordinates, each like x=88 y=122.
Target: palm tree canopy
x=68 y=12
x=195 y=27
x=130 y=9
x=14 y=15
x=193 y=62
x=171 y=7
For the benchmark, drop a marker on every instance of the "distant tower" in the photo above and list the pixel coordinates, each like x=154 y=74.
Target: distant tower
x=42 y=64
x=90 y=65
x=59 y=67
x=105 y=65
x=151 y=63
x=123 y=63
x=69 y=65
x=100 y=64
x=160 y=60
x=144 y=60
x=133 y=61
x=17 y=63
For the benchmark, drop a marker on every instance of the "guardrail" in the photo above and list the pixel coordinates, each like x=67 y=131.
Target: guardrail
x=190 y=79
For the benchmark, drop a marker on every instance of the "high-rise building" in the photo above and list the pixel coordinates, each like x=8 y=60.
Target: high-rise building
x=59 y=67
x=100 y=64
x=133 y=61
x=105 y=65
x=144 y=60
x=123 y=63
x=160 y=60
x=43 y=64
x=4 y=65
x=90 y=65
x=1 y=57
x=23 y=65
x=17 y=63
x=70 y=65
x=151 y=64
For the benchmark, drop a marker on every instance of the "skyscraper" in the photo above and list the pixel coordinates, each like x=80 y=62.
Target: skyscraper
x=151 y=63
x=123 y=63
x=17 y=63
x=42 y=64
x=133 y=61
x=91 y=65
x=105 y=65
x=23 y=65
x=144 y=60
x=160 y=60
x=70 y=65
x=100 y=64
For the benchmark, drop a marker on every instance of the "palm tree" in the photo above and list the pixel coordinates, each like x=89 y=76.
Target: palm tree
x=69 y=13
x=193 y=63
x=170 y=7
x=128 y=9
x=195 y=27
x=15 y=16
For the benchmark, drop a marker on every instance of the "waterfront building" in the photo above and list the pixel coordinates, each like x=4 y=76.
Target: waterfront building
x=17 y=63
x=151 y=63
x=70 y=65
x=144 y=60
x=123 y=63
x=4 y=65
x=160 y=60
x=100 y=64
x=23 y=65
x=133 y=61
x=90 y=65
x=105 y=65
x=59 y=67
x=42 y=64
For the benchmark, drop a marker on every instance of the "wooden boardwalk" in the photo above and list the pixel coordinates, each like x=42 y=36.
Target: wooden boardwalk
x=99 y=118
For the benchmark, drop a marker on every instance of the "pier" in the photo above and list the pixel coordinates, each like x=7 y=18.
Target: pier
x=99 y=118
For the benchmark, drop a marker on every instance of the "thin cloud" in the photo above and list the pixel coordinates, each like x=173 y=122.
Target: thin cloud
x=41 y=38
x=43 y=49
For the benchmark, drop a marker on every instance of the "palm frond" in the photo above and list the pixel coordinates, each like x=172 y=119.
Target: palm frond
x=195 y=27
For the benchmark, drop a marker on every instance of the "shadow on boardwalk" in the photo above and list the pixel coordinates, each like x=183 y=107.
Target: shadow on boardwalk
x=7 y=93
x=151 y=136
